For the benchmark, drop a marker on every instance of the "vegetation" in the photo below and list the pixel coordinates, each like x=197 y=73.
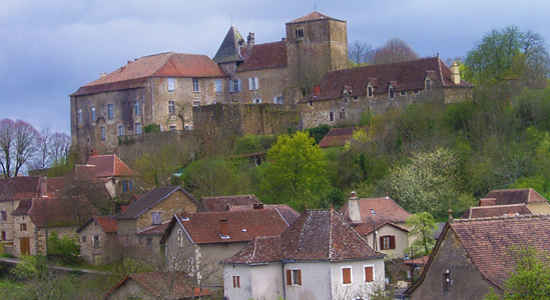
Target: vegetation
x=66 y=249
x=422 y=225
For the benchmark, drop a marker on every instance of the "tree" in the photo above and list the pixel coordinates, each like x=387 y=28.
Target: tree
x=422 y=226
x=42 y=159
x=360 y=53
x=18 y=144
x=395 y=50
x=157 y=166
x=530 y=280
x=508 y=54
x=295 y=172
x=59 y=146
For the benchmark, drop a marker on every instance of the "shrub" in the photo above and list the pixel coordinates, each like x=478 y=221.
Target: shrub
x=151 y=128
x=66 y=249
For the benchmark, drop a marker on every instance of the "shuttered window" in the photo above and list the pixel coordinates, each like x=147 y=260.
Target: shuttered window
x=387 y=242
x=293 y=277
x=288 y=277
x=369 y=274
x=236 y=282
x=346 y=275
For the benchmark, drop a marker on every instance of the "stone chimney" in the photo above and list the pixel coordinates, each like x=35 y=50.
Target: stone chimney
x=250 y=41
x=455 y=73
x=224 y=227
x=353 y=208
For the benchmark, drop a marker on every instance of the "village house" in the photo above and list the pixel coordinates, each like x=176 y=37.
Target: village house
x=476 y=255
x=534 y=202
x=98 y=240
x=382 y=222
x=156 y=285
x=196 y=243
x=142 y=224
x=319 y=257
x=223 y=203
x=337 y=137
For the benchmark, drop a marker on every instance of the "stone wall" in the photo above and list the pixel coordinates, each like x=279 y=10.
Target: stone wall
x=108 y=250
x=177 y=202
x=272 y=83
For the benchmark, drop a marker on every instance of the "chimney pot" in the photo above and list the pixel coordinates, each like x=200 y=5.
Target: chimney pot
x=455 y=73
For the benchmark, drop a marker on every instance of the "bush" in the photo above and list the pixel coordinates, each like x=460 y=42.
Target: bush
x=66 y=249
x=151 y=128
x=254 y=143
x=319 y=132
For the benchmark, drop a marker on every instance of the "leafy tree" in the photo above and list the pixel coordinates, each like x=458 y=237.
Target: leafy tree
x=529 y=281
x=156 y=167
x=253 y=143
x=295 y=172
x=395 y=50
x=319 y=132
x=508 y=54
x=422 y=226
x=65 y=248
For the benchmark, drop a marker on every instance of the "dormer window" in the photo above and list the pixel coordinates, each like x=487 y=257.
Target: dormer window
x=391 y=91
x=299 y=33
x=370 y=90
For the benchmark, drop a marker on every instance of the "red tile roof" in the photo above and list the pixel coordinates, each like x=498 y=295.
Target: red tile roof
x=498 y=211
x=17 y=188
x=515 y=196
x=287 y=212
x=313 y=16
x=404 y=76
x=242 y=225
x=167 y=64
x=109 y=165
x=222 y=203
x=173 y=285
x=337 y=137
x=386 y=209
x=265 y=56
x=57 y=212
x=108 y=224
x=316 y=235
x=55 y=185
x=366 y=228
x=155 y=230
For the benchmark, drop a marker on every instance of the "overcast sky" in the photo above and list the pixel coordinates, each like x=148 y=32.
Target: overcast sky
x=50 y=48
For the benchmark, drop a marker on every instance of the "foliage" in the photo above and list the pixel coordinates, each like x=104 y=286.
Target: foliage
x=295 y=172
x=319 y=132
x=422 y=226
x=360 y=53
x=151 y=128
x=508 y=54
x=395 y=50
x=65 y=248
x=530 y=280
x=30 y=267
x=157 y=167
x=253 y=143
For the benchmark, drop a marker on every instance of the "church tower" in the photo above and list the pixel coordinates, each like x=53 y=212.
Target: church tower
x=316 y=44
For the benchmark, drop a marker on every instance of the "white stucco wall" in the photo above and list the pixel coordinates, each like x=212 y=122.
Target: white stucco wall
x=401 y=241
x=245 y=291
x=358 y=287
x=316 y=281
x=263 y=282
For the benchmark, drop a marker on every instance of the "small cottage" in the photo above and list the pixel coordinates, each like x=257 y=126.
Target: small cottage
x=99 y=241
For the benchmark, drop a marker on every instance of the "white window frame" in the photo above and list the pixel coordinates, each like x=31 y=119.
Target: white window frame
x=350 y=275
x=196 y=103
x=110 y=111
x=365 y=273
x=103 y=133
x=253 y=84
x=218 y=85
x=180 y=237
x=138 y=129
x=137 y=108
x=92 y=114
x=171 y=84
x=292 y=277
x=196 y=85
x=79 y=116
x=236 y=286
x=120 y=130
x=370 y=91
x=159 y=216
x=171 y=106
x=235 y=85
x=257 y=101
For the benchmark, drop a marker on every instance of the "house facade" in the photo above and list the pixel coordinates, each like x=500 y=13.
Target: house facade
x=534 y=201
x=319 y=257
x=98 y=240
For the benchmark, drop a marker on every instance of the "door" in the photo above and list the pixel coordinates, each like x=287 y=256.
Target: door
x=25 y=245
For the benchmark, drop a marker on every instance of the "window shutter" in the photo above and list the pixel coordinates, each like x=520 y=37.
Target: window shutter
x=238 y=85
x=234 y=284
x=288 y=277
x=250 y=84
x=369 y=274
x=392 y=242
x=257 y=83
x=346 y=276
x=230 y=86
x=382 y=243
x=299 y=277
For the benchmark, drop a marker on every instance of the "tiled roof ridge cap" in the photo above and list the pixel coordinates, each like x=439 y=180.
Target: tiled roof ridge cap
x=531 y=216
x=510 y=190
x=496 y=205
x=330 y=224
x=228 y=196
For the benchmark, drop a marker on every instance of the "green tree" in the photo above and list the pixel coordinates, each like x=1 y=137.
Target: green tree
x=65 y=248
x=157 y=167
x=422 y=225
x=529 y=281
x=508 y=54
x=295 y=172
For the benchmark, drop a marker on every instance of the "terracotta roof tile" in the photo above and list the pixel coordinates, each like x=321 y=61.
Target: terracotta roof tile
x=366 y=228
x=170 y=286
x=59 y=212
x=55 y=185
x=17 y=188
x=386 y=209
x=222 y=203
x=515 y=196
x=167 y=64
x=404 y=76
x=148 y=200
x=108 y=223
x=155 y=230
x=287 y=212
x=265 y=56
x=337 y=137
x=109 y=165
x=498 y=210
x=22 y=208
x=313 y=16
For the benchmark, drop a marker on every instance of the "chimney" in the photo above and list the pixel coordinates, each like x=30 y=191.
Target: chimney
x=224 y=227
x=250 y=41
x=455 y=73
x=487 y=201
x=353 y=208
x=44 y=186
x=102 y=75
x=258 y=206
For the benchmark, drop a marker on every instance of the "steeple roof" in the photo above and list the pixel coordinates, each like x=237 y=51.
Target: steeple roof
x=313 y=16
x=229 y=50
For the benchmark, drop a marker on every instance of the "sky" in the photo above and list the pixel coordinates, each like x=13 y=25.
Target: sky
x=48 y=49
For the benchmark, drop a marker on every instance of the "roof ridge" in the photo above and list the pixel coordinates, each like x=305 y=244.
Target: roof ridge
x=330 y=249
x=386 y=64
x=503 y=217
x=496 y=205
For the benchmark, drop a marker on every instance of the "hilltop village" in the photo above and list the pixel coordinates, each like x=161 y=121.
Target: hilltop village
x=413 y=230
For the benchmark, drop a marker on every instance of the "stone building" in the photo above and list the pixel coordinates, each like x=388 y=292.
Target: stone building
x=98 y=240
x=476 y=255
x=320 y=256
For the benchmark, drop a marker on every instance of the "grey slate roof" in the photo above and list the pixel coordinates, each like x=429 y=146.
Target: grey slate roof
x=148 y=200
x=229 y=49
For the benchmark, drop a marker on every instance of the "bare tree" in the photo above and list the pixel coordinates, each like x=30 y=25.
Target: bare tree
x=59 y=146
x=395 y=50
x=360 y=53
x=42 y=159
x=18 y=142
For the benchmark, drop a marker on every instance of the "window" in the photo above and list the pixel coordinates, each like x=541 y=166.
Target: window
x=171 y=106
x=126 y=186
x=294 y=277
x=299 y=33
x=120 y=130
x=83 y=239
x=110 y=111
x=95 y=242
x=257 y=100
x=278 y=100
x=138 y=128
x=236 y=282
x=370 y=91
x=428 y=84
x=79 y=116
x=196 y=103
x=387 y=242
x=391 y=92
x=171 y=82
x=331 y=116
x=346 y=275
x=155 y=216
x=103 y=133
x=23 y=227
x=92 y=114
x=342 y=114
x=149 y=241
x=369 y=273
x=173 y=127
x=137 y=108
x=253 y=83
x=403 y=93
x=219 y=86
x=3 y=235
x=234 y=85
x=4 y=215
x=196 y=87
x=180 y=239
